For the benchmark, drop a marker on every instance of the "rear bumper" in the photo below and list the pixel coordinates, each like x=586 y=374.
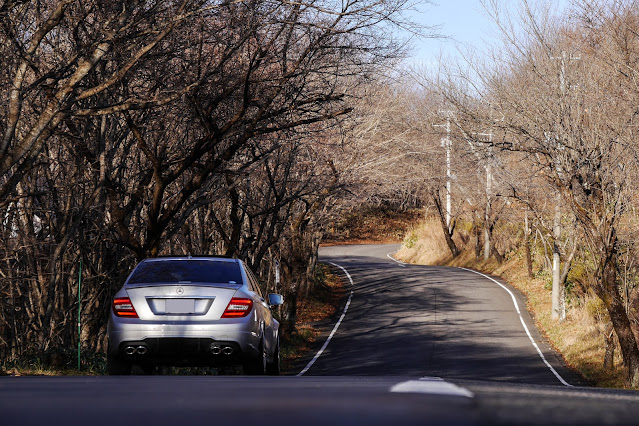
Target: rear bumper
x=183 y=344
x=181 y=351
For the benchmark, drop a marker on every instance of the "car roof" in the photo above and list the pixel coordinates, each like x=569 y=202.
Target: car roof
x=189 y=257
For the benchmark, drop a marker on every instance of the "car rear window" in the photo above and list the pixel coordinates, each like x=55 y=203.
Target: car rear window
x=187 y=271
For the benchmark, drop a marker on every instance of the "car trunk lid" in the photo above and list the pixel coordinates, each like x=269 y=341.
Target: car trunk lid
x=180 y=301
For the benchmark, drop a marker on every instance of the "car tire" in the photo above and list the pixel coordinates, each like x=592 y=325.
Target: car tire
x=116 y=367
x=273 y=368
x=256 y=366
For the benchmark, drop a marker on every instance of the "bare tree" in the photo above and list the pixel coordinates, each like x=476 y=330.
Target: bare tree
x=168 y=127
x=572 y=122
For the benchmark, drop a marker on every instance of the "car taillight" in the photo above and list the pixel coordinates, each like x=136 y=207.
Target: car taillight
x=238 y=308
x=122 y=307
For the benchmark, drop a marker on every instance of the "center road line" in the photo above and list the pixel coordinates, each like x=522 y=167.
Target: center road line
x=541 y=355
x=431 y=386
x=330 y=337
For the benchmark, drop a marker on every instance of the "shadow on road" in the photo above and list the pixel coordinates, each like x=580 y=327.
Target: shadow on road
x=429 y=321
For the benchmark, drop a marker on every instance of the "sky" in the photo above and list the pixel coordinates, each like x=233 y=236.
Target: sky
x=465 y=22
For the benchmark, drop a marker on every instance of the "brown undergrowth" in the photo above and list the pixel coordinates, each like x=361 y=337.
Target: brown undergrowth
x=372 y=225
x=579 y=339
x=313 y=313
x=58 y=363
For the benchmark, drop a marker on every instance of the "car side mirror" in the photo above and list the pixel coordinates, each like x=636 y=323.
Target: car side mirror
x=275 y=299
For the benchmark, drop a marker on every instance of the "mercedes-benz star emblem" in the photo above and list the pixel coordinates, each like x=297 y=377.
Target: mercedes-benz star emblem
x=179 y=290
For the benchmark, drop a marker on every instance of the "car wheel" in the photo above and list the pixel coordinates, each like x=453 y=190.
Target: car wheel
x=257 y=366
x=116 y=367
x=273 y=368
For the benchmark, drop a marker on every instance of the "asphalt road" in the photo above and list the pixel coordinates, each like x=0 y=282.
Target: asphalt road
x=415 y=345
x=410 y=320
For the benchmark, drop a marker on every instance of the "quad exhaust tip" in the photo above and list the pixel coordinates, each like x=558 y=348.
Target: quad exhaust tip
x=135 y=350
x=215 y=350
x=225 y=350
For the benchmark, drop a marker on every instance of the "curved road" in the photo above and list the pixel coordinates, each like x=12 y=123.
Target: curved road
x=430 y=321
x=416 y=345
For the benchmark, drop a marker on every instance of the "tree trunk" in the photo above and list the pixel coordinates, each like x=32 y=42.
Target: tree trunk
x=290 y=316
x=608 y=291
x=609 y=356
x=498 y=256
x=448 y=232
x=529 y=263
x=478 y=245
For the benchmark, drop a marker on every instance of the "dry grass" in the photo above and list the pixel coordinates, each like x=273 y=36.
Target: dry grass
x=45 y=371
x=421 y=245
x=579 y=339
x=56 y=363
x=37 y=368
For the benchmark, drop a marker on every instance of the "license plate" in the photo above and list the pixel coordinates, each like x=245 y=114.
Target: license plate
x=180 y=306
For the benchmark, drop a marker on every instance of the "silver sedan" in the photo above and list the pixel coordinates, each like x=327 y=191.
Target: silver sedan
x=193 y=311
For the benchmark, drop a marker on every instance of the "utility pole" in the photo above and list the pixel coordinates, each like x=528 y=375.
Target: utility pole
x=558 y=290
x=489 y=190
x=447 y=143
x=489 y=193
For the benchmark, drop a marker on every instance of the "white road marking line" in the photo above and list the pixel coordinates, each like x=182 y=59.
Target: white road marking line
x=348 y=303
x=431 y=386
x=541 y=355
x=399 y=262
